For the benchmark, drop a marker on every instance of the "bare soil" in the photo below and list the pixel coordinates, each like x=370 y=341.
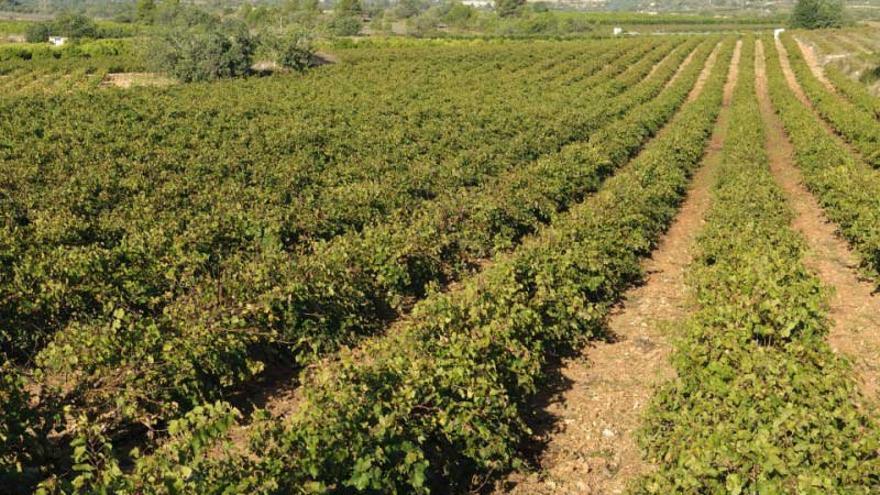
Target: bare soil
x=324 y=58
x=799 y=93
x=588 y=436
x=127 y=80
x=789 y=74
x=815 y=67
x=704 y=75
x=855 y=308
x=686 y=62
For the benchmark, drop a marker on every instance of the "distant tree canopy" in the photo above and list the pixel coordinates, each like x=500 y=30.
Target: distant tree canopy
x=348 y=7
x=145 y=11
x=409 y=8
x=507 y=8
x=73 y=26
x=345 y=25
x=346 y=19
x=816 y=14
x=203 y=52
x=37 y=33
x=10 y=4
x=193 y=45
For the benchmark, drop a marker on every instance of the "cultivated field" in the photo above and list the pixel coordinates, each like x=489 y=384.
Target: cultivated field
x=646 y=264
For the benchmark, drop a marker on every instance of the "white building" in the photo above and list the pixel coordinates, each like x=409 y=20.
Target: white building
x=57 y=40
x=479 y=3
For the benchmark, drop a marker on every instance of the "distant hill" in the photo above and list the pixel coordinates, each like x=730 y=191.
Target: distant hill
x=109 y=8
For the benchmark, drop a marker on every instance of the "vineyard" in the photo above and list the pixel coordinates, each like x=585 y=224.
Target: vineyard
x=642 y=264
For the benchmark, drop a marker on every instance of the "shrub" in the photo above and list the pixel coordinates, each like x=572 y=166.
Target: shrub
x=815 y=14
x=345 y=25
x=74 y=26
x=506 y=8
x=291 y=50
x=204 y=52
x=37 y=33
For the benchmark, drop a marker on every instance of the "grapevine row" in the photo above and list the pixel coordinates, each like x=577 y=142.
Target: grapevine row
x=139 y=231
x=847 y=189
x=856 y=125
x=443 y=396
x=761 y=403
x=855 y=91
x=205 y=342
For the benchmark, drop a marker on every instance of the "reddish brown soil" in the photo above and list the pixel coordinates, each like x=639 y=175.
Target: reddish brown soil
x=799 y=92
x=814 y=65
x=704 y=75
x=588 y=435
x=855 y=309
x=130 y=79
x=687 y=61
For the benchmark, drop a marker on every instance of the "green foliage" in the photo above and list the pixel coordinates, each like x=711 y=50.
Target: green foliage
x=761 y=403
x=17 y=426
x=344 y=8
x=507 y=8
x=153 y=334
x=848 y=189
x=74 y=26
x=853 y=123
x=319 y=302
x=345 y=25
x=38 y=69
x=37 y=32
x=409 y=8
x=293 y=50
x=855 y=91
x=204 y=52
x=456 y=13
x=816 y=14
x=145 y=11
x=121 y=307
x=440 y=397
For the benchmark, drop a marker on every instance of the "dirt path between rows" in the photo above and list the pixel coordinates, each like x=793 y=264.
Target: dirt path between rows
x=854 y=42
x=799 y=93
x=789 y=75
x=704 y=75
x=855 y=310
x=281 y=395
x=686 y=62
x=813 y=63
x=588 y=437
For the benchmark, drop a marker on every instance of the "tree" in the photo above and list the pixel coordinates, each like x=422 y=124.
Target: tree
x=37 y=33
x=540 y=7
x=346 y=18
x=295 y=53
x=457 y=14
x=348 y=8
x=74 y=26
x=345 y=25
x=507 y=8
x=409 y=8
x=145 y=11
x=204 y=52
x=292 y=50
x=815 y=14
